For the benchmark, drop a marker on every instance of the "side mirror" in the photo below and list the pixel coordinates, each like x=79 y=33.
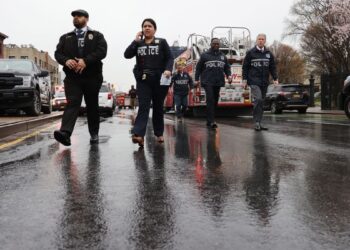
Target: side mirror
x=43 y=73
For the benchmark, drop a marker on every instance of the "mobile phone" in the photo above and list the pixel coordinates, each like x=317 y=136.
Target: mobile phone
x=141 y=35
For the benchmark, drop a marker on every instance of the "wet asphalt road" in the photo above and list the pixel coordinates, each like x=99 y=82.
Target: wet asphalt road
x=287 y=188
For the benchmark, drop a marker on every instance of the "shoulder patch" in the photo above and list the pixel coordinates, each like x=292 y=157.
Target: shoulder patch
x=268 y=55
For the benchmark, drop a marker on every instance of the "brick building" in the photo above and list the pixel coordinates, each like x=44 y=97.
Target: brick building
x=2 y=38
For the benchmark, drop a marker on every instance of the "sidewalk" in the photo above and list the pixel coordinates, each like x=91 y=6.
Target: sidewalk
x=14 y=124
x=317 y=110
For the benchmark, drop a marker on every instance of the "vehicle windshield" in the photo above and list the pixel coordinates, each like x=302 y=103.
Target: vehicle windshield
x=60 y=94
x=16 y=65
x=104 y=89
x=291 y=88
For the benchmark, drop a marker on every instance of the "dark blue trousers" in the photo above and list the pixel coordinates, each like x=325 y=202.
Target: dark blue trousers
x=212 y=96
x=148 y=91
x=180 y=104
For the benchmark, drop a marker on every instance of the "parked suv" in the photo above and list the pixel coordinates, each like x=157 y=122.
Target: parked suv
x=106 y=101
x=24 y=86
x=286 y=97
x=346 y=96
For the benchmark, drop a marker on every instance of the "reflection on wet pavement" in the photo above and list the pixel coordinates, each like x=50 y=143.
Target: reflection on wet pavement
x=201 y=189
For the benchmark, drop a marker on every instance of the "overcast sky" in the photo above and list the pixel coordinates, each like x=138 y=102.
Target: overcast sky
x=42 y=22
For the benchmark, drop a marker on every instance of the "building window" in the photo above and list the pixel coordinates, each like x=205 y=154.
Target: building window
x=36 y=60
x=24 y=57
x=12 y=57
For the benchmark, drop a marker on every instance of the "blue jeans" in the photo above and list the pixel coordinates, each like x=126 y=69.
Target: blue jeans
x=180 y=105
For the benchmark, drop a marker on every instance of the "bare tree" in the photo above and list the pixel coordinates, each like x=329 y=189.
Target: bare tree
x=324 y=30
x=290 y=64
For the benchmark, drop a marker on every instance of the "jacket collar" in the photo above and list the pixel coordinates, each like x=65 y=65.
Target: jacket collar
x=214 y=52
x=88 y=30
x=257 y=50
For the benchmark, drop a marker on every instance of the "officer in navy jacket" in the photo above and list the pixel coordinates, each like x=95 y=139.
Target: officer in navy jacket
x=211 y=70
x=258 y=64
x=153 y=59
x=81 y=52
x=182 y=82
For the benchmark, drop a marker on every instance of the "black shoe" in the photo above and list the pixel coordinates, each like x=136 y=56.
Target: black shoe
x=263 y=128
x=212 y=125
x=257 y=127
x=62 y=137
x=94 y=139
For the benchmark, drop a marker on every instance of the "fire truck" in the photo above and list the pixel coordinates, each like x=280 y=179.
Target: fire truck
x=234 y=100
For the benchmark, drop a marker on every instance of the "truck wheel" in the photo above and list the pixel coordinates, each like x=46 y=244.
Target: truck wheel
x=35 y=107
x=275 y=109
x=47 y=109
x=302 y=111
x=347 y=107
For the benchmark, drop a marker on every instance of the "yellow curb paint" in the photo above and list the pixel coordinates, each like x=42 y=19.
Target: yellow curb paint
x=19 y=140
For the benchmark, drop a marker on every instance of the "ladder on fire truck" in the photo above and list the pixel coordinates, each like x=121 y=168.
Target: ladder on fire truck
x=233 y=45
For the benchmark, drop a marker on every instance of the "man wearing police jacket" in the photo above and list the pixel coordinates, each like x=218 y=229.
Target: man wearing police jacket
x=258 y=64
x=80 y=52
x=210 y=73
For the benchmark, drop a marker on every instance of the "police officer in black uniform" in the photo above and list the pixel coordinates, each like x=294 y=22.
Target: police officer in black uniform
x=211 y=70
x=153 y=59
x=258 y=64
x=182 y=82
x=80 y=52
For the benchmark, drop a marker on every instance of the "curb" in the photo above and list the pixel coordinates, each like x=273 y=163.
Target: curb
x=325 y=113
x=15 y=127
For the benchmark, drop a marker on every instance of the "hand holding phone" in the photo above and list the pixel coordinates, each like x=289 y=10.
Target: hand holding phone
x=139 y=36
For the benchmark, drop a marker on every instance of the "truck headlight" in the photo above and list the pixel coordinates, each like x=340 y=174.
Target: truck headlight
x=26 y=80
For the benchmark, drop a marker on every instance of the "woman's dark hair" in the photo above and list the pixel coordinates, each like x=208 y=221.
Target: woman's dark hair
x=150 y=20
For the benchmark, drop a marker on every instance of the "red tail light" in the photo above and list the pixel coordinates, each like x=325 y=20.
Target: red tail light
x=109 y=96
x=282 y=93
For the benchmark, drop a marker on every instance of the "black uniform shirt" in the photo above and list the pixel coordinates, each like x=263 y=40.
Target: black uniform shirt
x=182 y=81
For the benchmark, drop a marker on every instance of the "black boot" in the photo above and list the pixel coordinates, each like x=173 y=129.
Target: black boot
x=62 y=137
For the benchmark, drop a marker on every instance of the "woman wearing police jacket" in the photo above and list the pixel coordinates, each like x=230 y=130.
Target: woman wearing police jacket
x=153 y=58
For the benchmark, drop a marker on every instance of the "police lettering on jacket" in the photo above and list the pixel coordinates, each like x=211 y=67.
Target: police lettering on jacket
x=181 y=83
x=215 y=64
x=148 y=51
x=154 y=56
x=212 y=68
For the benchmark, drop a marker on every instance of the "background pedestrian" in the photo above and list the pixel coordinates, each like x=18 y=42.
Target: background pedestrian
x=182 y=83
